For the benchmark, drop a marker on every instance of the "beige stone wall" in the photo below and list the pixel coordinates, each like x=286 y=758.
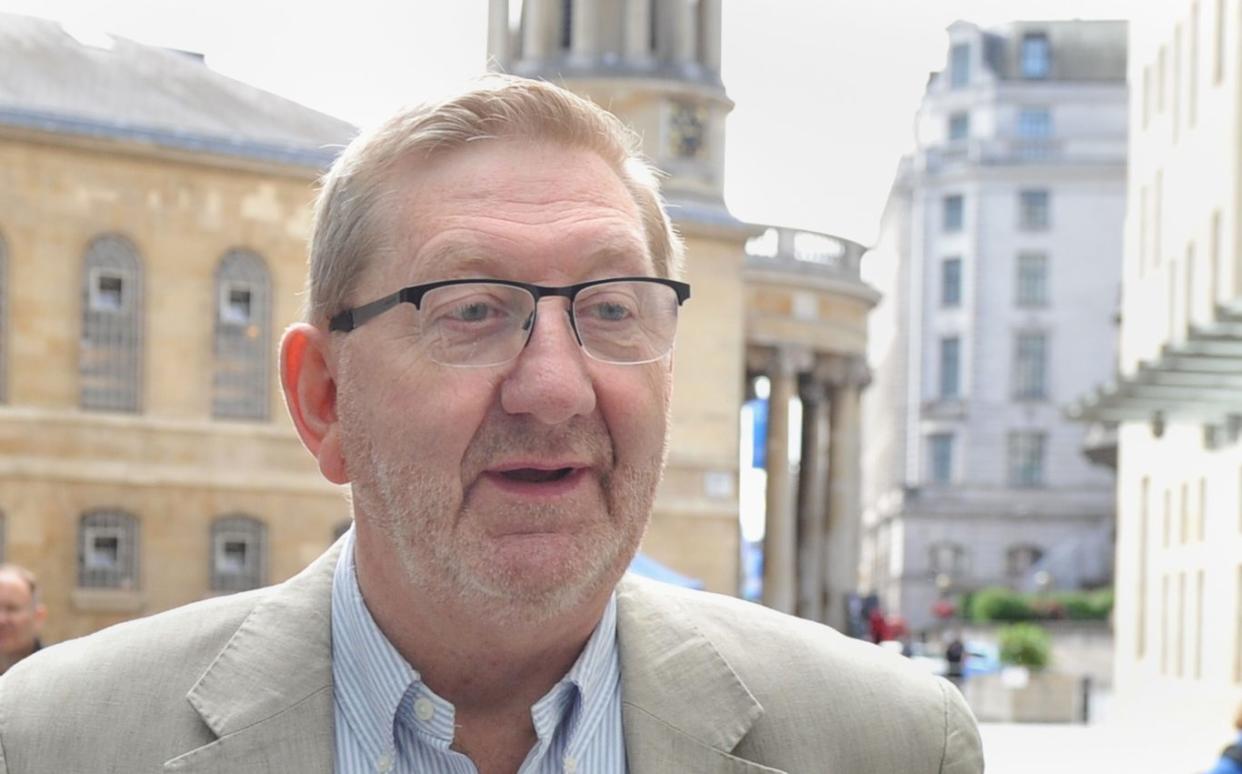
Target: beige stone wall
x=831 y=318
x=694 y=528
x=171 y=465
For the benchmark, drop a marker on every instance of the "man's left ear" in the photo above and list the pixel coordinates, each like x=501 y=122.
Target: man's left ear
x=310 y=393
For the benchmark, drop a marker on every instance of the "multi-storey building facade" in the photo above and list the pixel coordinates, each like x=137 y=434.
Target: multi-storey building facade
x=999 y=261
x=787 y=304
x=153 y=226
x=1176 y=402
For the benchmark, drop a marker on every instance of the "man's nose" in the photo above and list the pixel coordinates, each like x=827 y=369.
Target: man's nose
x=549 y=380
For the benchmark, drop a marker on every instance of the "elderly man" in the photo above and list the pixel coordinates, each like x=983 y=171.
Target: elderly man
x=487 y=363
x=21 y=615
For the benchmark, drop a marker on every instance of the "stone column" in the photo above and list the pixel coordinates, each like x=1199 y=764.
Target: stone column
x=813 y=499
x=498 y=35
x=585 y=32
x=781 y=534
x=710 y=16
x=638 y=30
x=684 y=31
x=847 y=376
x=540 y=33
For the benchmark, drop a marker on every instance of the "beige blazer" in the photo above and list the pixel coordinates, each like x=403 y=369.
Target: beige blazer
x=243 y=684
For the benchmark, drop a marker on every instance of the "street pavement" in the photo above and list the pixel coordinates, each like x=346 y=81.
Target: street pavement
x=1047 y=748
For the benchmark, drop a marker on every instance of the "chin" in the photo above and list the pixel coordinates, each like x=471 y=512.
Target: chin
x=537 y=584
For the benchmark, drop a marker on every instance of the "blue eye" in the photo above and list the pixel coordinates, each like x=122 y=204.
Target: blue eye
x=610 y=312
x=475 y=312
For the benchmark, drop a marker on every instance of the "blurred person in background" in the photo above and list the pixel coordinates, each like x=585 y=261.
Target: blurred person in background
x=1230 y=761
x=21 y=615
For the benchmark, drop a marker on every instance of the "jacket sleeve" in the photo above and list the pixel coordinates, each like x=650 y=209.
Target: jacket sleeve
x=963 y=750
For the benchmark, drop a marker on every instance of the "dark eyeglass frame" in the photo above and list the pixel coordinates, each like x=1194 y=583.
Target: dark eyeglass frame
x=350 y=319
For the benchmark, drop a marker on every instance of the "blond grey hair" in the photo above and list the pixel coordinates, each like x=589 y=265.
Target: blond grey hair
x=352 y=213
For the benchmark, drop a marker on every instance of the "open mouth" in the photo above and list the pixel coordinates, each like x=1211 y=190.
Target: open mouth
x=536 y=476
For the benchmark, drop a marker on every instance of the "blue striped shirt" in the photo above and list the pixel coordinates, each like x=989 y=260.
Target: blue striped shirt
x=387 y=720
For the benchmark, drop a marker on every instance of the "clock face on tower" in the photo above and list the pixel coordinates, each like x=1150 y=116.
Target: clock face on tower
x=686 y=130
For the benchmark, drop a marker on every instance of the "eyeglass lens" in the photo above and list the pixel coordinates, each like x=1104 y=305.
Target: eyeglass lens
x=482 y=324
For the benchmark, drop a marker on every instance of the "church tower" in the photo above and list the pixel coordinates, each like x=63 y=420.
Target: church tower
x=656 y=65
x=653 y=63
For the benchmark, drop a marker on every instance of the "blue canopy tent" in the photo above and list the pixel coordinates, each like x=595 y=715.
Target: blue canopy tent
x=649 y=568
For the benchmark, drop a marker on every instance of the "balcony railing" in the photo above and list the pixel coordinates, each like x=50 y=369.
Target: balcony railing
x=1006 y=151
x=804 y=252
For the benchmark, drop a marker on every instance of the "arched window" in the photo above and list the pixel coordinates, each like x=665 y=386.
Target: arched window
x=108 y=550
x=949 y=559
x=110 y=355
x=238 y=553
x=242 y=337
x=4 y=328
x=1020 y=559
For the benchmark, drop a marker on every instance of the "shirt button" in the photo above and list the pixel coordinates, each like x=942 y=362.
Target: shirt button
x=571 y=764
x=384 y=764
x=424 y=709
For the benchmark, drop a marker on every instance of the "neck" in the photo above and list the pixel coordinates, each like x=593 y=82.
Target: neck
x=484 y=661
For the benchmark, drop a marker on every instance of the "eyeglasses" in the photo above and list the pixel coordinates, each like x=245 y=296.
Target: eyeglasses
x=486 y=322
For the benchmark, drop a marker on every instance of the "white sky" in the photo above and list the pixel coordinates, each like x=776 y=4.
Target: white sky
x=825 y=89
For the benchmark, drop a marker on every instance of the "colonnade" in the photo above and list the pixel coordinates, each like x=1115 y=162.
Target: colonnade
x=813 y=514
x=633 y=31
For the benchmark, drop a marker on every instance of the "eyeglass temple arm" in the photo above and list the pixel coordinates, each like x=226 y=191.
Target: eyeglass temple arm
x=351 y=318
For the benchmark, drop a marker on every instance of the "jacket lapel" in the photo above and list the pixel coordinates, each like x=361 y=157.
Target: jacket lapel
x=684 y=708
x=268 y=695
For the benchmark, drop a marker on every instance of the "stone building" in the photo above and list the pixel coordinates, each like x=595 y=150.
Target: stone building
x=153 y=226
x=999 y=260
x=1175 y=404
x=787 y=304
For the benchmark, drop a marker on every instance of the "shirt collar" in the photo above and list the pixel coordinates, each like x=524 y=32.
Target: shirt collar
x=369 y=676
x=372 y=679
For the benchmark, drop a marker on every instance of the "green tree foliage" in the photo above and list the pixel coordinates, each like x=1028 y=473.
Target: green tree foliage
x=997 y=603
x=1025 y=644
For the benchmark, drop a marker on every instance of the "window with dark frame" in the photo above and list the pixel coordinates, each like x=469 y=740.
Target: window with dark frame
x=950 y=367
x=959 y=65
x=1026 y=459
x=1033 y=210
x=238 y=553
x=951 y=282
x=952 y=217
x=959 y=126
x=243 y=349
x=110 y=350
x=1032 y=280
x=948 y=558
x=940 y=469
x=1020 y=559
x=1036 y=56
x=108 y=550
x=1030 y=366
x=1034 y=123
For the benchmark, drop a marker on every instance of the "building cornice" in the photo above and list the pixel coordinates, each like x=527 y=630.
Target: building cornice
x=167 y=145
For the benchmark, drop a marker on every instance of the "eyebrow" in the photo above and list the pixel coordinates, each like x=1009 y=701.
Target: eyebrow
x=465 y=259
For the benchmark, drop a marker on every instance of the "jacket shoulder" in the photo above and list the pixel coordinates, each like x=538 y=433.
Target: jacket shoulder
x=818 y=686
x=80 y=696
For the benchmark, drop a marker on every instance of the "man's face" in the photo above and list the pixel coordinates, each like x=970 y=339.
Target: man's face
x=458 y=472
x=20 y=618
